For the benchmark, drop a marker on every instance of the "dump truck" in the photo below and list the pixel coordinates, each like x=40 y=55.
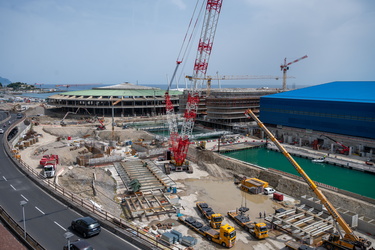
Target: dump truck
x=253 y=185
x=225 y=236
x=346 y=241
x=208 y=213
x=258 y=230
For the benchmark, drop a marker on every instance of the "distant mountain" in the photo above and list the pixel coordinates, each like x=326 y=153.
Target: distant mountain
x=4 y=81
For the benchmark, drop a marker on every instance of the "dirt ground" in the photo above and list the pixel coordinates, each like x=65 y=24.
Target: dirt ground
x=212 y=185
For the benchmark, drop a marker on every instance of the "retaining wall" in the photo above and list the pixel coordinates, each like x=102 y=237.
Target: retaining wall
x=284 y=184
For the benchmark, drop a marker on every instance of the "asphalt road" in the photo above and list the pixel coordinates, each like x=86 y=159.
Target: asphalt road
x=46 y=219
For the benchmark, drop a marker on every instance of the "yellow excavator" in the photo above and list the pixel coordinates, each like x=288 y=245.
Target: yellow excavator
x=336 y=241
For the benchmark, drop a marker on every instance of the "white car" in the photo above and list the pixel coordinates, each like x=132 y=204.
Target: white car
x=269 y=190
x=1 y=131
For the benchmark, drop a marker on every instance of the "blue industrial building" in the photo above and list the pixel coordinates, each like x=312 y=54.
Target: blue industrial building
x=346 y=108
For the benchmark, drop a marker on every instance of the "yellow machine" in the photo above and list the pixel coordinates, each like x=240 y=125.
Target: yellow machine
x=253 y=185
x=207 y=212
x=336 y=241
x=225 y=236
x=258 y=230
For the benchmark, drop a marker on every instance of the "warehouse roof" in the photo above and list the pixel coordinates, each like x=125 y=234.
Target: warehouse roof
x=345 y=91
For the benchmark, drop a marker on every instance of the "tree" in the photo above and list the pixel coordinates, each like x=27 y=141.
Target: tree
x=20 y=86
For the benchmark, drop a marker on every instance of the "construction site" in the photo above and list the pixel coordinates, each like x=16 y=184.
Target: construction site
x=123 y=171
x=178 y=189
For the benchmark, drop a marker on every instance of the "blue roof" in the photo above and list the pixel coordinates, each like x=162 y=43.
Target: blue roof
x=345 y=91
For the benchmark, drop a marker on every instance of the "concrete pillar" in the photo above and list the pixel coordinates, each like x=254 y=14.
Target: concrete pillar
x=300 y=142
x=332 y=148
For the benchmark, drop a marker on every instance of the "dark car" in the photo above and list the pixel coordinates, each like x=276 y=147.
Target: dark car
x=87 y=226
x=79 y=245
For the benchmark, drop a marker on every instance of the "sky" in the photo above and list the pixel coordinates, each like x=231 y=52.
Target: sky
x=138 y=41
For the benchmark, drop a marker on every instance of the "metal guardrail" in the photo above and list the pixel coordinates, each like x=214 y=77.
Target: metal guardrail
x=128 y=231
x=29 y=241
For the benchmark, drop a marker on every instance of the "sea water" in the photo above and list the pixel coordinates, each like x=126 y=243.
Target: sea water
x=343 y=178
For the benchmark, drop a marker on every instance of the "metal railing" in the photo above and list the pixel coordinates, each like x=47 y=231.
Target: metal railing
x=127 y=230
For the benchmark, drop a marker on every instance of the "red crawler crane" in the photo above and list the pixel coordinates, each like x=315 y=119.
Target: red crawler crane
x=179 y=143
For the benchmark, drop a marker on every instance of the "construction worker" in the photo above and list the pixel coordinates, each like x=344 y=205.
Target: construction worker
x=264 y=214
x=260 y=214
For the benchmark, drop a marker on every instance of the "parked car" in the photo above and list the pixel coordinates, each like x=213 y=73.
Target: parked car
x=86 y=226
x=269 y=190
x=1 y=131
x=79 y=245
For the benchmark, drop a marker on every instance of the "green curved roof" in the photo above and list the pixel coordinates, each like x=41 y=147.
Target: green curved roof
x=118 y=92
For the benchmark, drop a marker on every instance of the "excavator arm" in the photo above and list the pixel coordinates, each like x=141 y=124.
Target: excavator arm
x=349 y=234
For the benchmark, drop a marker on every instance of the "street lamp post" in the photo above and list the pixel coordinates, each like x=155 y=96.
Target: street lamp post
x=68 y=235
x=23 y=203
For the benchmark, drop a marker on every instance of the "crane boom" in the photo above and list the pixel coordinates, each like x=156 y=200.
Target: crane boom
x=179 y=143
x=285 y=67
x=349 y=234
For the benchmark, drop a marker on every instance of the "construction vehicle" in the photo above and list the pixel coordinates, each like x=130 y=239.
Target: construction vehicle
x=49 y=159
x=225 y=236
x=337 y=240
x=201 y=145
x=179 y=143
x=101 y=126
x=258 y=230
x=172 y=166
x=343 y=150
x=208 y=213
x=253 y=185
x=62 y=122
x=49 y=169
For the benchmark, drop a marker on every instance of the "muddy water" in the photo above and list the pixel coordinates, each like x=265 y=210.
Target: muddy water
x=224 y=195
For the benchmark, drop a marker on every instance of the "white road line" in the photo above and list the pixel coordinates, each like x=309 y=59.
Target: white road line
x=5 y=178
x=60 y=225
x=13 y=187
x=40 y=210
x=24 y=197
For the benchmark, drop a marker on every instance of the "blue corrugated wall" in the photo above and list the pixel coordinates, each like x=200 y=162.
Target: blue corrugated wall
x=339 y=117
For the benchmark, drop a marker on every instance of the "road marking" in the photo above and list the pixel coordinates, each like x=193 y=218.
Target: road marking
x=5 y=178
x=13 y=187
x=60 y=225
x=39 y=210
x=24 y=197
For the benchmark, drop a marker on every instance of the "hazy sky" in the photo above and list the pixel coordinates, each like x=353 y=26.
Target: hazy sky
x=138 y=41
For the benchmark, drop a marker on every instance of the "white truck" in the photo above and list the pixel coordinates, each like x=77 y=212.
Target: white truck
x=49 y=170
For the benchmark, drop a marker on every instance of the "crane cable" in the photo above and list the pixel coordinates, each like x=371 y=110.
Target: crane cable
x=186 y=44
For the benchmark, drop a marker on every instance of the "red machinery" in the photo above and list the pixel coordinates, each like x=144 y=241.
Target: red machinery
x=101 y=126
x=49 y=159
x=179 y=143
x=343 y=150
